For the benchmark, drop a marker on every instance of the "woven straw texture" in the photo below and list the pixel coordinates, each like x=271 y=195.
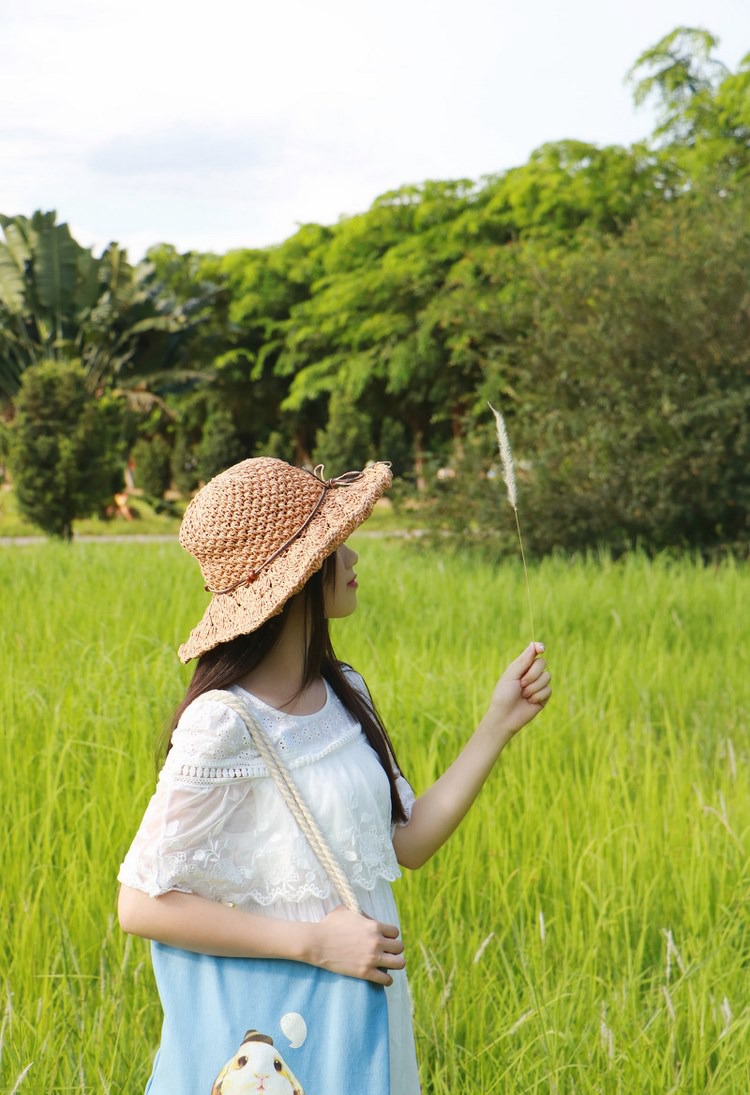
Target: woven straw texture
x=242 y=517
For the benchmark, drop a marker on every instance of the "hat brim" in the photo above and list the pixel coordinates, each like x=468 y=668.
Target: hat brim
x=242 y=611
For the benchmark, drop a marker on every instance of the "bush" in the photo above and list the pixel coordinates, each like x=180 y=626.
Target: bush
x=184 y=464
x=278 y=445
x=65 y=447
x=220 y=446
x=627 y=398
x=153 y=466
x=4 y=448
x=346 y=441
x=641 y=360
x=395 y=446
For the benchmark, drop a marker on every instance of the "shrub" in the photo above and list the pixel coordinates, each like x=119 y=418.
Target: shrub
x=220 y=446
x=627 y=397
x=346 y=441
x=184 y=464
x=65 y=447
x=153 y=467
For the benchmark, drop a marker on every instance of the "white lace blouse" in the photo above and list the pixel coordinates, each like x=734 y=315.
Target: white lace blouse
x=217 y=825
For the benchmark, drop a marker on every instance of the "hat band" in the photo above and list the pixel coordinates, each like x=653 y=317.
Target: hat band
x=344 y=480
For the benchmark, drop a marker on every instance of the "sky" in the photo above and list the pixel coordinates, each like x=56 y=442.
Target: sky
x=226 y=124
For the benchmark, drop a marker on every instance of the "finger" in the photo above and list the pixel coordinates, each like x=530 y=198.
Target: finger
x=541 y=698
x=380 y=977
x=534 y=671
x=393 y=946
x=391 y=961
x=530 y=689
x=538 y=686
x=524 y=661
x=390 y=931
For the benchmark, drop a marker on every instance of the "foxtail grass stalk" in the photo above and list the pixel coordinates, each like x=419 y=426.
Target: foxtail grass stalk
x=509 y=476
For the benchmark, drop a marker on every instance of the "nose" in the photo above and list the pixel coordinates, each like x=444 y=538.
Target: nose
x=350 y=556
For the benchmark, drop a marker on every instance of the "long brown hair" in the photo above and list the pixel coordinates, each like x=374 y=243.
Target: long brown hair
x=230 y=662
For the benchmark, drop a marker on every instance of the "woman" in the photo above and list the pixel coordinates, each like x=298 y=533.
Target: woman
x=219 y=866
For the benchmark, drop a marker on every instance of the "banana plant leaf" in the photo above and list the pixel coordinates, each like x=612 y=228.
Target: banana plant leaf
x=12 y=288
x=56 y=270
x=20 y=239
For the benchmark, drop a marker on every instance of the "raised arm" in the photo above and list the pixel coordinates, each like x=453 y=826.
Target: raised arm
x=343 y=942
x=519 y=695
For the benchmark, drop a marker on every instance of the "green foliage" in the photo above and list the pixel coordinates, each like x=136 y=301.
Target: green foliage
x=393 y=445
x=153 y=465
x=682 y=74
x=704 y=127
x=65 y=450
x=641 y=429
x=629 y=407
x=184 y=465
x=4 y=447
x=124 y=323
x=220 y=446
x=158 y=520
x=46 y=279
x=346 y=442
x=593 y=291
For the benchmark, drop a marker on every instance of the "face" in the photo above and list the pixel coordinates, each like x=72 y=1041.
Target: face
x=341 y=597
x=257 y=1070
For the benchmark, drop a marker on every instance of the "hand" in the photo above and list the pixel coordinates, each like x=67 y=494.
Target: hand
x=358 y=946
x=522 y=691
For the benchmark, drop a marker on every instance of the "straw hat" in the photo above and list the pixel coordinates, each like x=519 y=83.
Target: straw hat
x=260 y=530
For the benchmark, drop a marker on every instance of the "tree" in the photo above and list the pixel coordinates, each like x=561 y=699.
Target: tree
x=629 y=407
x=680 y=71
x=363 y=332
x=265 y=285
x=65 y=448
x=704 y=120
x=59 y=302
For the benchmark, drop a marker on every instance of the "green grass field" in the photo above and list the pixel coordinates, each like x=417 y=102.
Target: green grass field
x=586 y=931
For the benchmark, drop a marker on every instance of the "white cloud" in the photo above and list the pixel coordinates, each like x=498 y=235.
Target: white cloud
x=226 y=124
x=182 y=149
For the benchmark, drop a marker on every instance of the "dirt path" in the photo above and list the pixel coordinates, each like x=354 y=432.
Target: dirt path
x=160 y=538
x=137 y=538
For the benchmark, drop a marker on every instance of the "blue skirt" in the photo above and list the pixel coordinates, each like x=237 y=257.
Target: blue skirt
x=253 y=1024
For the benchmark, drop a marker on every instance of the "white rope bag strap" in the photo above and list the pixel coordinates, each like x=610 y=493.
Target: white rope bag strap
x=292 y=797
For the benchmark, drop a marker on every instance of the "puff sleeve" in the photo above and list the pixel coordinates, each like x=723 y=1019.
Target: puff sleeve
x=196 y=833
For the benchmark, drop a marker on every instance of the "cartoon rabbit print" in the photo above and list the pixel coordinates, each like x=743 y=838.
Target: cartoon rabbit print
x=257 y=1068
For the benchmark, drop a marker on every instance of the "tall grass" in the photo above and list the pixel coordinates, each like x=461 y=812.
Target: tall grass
x=585 y=931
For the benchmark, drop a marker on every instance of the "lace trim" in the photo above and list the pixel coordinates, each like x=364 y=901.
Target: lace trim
x=212 y=745
x=292 y=875
x=198 y=775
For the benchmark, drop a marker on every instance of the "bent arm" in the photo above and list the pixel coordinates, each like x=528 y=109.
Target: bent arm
x=198 y=924
x=343 y=942
x=519 y=696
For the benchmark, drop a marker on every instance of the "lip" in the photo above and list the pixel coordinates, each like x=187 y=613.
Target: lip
x=354 y=584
